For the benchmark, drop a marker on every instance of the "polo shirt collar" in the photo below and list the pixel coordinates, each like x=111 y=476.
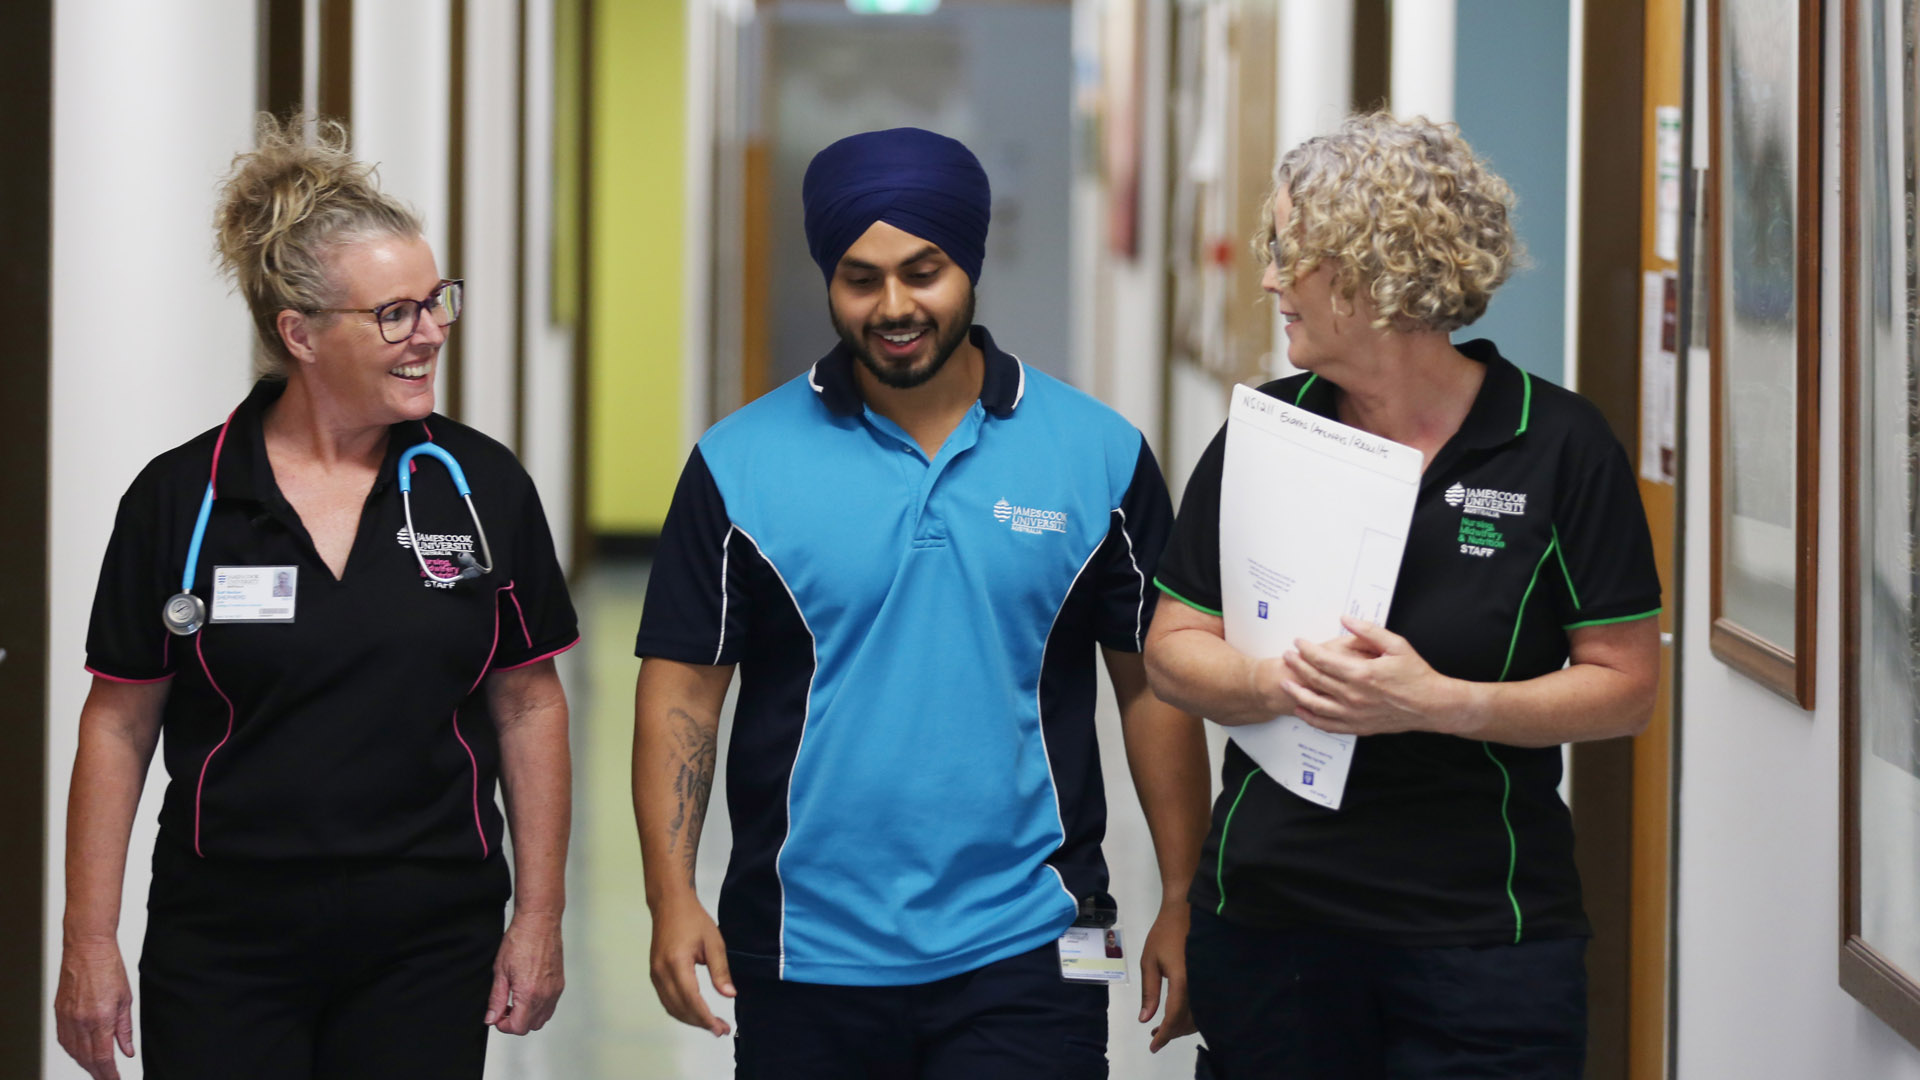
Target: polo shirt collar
x=1002 y=385
x=242 y=469
x=1501 y=409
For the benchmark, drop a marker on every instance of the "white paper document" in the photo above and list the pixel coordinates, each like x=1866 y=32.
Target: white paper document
x=1313 y=521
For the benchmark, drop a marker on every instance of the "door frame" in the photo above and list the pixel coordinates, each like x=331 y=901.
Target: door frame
x=1625 y=790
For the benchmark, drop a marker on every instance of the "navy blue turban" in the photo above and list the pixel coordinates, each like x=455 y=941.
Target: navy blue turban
x=917 y=181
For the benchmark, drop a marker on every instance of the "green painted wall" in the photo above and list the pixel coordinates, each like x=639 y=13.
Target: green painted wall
x=635 y=445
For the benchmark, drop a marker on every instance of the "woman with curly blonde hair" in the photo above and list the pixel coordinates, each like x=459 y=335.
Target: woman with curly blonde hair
x=341 y=693
x=1432 y=924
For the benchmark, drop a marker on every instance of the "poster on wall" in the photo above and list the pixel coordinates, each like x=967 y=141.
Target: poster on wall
x=1659 y=376
x=1880 y=438
x=1764 y=303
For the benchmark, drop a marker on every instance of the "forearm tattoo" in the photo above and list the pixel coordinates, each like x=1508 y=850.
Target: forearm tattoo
x=695 y=748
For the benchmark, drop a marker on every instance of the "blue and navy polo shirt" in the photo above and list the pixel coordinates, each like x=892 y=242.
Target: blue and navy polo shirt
x=913 y=777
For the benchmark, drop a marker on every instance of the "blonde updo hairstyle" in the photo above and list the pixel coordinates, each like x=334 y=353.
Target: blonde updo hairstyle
x=1402 y=208
x=285 y=207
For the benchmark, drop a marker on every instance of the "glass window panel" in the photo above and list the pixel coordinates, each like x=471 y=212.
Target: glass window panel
x=1889 y=742
x=1760 y=50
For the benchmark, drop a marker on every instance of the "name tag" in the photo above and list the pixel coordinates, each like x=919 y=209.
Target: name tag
x=1092 y=954
x=254 y=593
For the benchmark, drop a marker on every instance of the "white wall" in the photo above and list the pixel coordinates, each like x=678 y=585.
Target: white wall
x=1421 y=78
x=548 y=404
x=150 y=347
x=1758 y=990
x=489 y=391
x=401 y=82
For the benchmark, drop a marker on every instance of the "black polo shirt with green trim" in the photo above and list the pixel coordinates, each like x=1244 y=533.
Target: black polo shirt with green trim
x=1528 y=525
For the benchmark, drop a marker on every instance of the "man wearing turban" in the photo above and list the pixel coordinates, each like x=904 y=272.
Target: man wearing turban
x=913 y=554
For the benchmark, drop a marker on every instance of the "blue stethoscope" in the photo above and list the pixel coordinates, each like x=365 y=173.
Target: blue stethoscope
x=185 y=613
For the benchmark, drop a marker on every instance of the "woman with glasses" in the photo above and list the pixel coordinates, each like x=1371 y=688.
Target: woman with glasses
x=341 y=609
x=1431 y=925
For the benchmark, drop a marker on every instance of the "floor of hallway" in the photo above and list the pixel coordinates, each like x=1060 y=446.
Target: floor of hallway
x=609 y=1024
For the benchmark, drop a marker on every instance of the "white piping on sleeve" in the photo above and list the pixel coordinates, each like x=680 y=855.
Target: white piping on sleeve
x=1139 y=612
x=725 y=544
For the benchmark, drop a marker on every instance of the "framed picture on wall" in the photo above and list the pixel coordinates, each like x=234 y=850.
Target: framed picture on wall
x=1763 y=309
x=1879 y=439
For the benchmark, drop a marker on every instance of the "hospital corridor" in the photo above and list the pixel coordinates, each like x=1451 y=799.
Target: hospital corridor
x=831 y=539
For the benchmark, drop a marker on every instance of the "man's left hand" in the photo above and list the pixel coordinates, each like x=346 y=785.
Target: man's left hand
x=1164 y=956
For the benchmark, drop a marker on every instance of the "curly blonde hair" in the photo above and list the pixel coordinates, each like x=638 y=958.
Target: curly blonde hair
x=284 y=206
x=1402 y=208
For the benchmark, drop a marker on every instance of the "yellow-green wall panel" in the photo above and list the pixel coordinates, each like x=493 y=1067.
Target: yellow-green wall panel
x=637 y=221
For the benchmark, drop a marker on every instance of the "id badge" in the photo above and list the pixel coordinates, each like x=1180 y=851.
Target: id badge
x=254 y=593
x=1093 y=954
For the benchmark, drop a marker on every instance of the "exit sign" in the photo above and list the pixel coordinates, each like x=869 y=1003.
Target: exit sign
x=893 y=7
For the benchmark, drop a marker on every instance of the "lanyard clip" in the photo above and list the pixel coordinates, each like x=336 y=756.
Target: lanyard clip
x=1098 y=910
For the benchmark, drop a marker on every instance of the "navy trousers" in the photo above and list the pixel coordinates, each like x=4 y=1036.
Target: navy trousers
x=1278 y=1003
x=1015 y=1019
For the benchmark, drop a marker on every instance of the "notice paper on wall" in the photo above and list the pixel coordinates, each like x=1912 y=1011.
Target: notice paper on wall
x=1659 y=375
x=1313 y=521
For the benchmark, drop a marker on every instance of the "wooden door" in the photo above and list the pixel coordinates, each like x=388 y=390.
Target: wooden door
x=1623 y=796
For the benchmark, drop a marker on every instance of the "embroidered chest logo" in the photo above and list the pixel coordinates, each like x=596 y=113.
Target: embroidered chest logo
x=1487 y=502
x=1026 y=519
x=438 y=551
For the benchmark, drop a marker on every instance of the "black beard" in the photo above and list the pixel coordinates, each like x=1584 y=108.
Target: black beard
x=944 y=346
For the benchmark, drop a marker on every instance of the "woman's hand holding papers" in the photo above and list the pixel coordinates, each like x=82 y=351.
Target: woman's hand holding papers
x=1369 y=683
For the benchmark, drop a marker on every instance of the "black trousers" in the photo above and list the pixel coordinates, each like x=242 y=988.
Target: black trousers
x=1015 y=1019
x=318 y=969
x=1279 y=1003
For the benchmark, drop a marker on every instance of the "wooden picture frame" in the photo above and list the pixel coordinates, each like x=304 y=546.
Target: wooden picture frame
x=1879 y=743
x=1763 y=331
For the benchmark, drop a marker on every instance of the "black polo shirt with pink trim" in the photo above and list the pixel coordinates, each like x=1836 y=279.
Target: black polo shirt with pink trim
x=1527 y=527
x=359 y=728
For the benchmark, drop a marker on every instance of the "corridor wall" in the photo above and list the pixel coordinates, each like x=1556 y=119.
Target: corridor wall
x=1759 y=862
x=150 y=347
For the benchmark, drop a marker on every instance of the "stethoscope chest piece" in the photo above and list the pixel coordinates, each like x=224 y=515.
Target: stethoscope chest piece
x=184 y=614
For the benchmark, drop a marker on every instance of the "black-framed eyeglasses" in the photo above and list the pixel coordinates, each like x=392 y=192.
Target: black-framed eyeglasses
x=398 y=319
x=1273 y=250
